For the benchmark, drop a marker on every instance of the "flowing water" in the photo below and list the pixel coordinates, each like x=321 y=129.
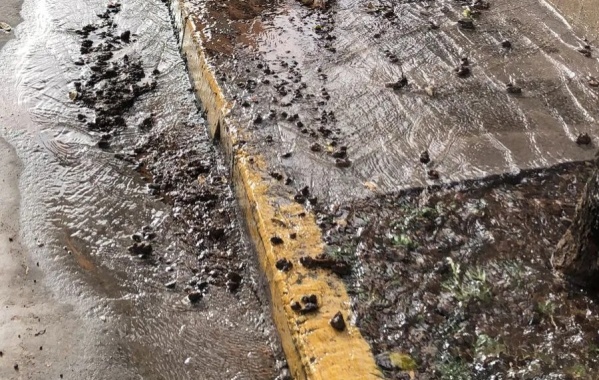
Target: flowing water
x=80 y=205
x=332 y=68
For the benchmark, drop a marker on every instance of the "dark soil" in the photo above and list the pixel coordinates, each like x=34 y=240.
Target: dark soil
x=457 y=284
x=116 y=80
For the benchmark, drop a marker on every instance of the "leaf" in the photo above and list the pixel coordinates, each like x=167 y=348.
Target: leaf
x=403 y=361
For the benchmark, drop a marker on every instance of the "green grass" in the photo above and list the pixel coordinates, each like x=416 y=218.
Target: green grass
x=488 y=346
x=469 y=285
x=454 y=369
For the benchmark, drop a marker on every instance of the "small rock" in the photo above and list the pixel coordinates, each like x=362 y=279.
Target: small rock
x=342 y=163
x=141 y=249
x=171 y=284
x=586 y=51
x=103 y=144
x=466 y=23
x=309 y=308
x=126 y=36
x=310 y=299
x=315 y=147
x=296 y=306
x=234 y=277
x=341 y=153
x=232 y=286
x=401 y=83
x=430 y=91
x=5 y=27
x=276 y=175
x=337 y=322
x=194 y=297
x=462 y=71
x=583 y=139
x=424 y=157
x=433 y=174
x=506 y=44
x=299 y=198
x=284 y=265
x=513 y=89
x=16 y=367
x=258 y=119
x=275 y=240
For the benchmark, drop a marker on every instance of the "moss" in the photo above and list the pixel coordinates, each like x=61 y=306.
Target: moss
x=403 y=361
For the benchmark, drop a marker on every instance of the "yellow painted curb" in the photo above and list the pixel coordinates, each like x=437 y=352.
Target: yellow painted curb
x=314 y=350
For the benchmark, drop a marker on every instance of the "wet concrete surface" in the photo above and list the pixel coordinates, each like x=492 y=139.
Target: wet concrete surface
x=103 y=175
x=307 y=82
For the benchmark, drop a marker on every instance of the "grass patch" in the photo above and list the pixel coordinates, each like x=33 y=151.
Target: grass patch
x=468 y=285
x=454 y=369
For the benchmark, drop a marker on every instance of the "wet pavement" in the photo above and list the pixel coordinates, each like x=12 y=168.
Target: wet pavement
x=126 y=212
x=308 y=82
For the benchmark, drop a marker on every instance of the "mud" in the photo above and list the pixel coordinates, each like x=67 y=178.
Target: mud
x=125 y=204
x=456 y=283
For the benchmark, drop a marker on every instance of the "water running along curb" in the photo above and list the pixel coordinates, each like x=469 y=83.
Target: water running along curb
x=313 y=348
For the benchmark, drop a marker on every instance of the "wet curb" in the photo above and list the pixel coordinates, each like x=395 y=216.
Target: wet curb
x=313 y=348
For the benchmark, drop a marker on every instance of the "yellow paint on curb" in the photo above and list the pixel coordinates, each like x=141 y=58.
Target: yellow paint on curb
x=314 y=350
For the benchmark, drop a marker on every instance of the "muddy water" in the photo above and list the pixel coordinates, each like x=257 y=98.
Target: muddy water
x=80 y=205
x=339 y=62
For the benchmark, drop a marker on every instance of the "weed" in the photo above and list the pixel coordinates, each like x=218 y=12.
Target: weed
x=342 y=253
x=454 y=369
x=488 y=346
x=514 y=270
x=593 y=350
x=577 y=371
x=405 y=241
x=546 y=308
x=473 y=284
